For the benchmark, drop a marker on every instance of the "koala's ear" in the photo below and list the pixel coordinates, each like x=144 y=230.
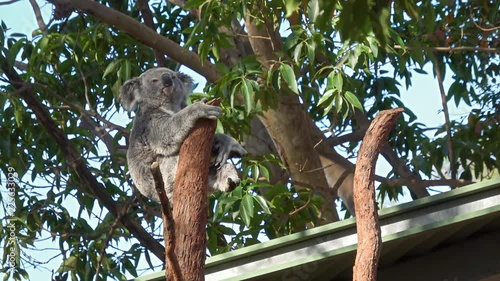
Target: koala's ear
x=187 y=81
x=129 y=93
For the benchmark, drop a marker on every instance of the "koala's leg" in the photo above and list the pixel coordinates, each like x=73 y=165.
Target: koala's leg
x=224 y=178
x=139 y=165
x=168 y=168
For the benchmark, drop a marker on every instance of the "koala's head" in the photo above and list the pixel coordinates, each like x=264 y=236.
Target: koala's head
x=157 y=87
x=226 y=178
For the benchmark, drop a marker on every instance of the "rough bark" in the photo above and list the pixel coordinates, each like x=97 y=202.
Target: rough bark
x=299 y=143
x=415 y=185
x=190 y=201
x=171 y=260
x=369 y=237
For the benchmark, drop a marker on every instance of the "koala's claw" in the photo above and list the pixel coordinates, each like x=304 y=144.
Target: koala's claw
x=207 y=111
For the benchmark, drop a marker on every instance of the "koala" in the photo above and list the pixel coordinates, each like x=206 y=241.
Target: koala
x=162 y=122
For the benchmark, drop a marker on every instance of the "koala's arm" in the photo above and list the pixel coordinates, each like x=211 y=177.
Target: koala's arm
x=169 y=131
x=226 y=147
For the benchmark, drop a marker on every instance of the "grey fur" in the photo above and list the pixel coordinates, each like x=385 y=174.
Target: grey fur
x=161 y=124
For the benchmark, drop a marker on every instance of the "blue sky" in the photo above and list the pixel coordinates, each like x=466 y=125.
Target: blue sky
x=423 y=98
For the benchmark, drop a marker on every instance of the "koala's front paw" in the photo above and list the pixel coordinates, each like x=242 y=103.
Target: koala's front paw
x=226 y=147
x=203 y=110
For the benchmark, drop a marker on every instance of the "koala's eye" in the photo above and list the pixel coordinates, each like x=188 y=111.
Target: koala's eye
x=155 y=80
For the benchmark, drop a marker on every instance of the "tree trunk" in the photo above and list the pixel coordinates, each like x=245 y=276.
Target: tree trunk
x=190 y=201
x=369 y=238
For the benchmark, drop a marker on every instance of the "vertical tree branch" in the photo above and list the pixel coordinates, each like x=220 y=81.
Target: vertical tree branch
x=171 y=260
x=451 y=154
x=38 y=15
x=369 y=238
x=190 y=200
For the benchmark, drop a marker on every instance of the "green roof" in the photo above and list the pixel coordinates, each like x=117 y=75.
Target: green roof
x=407 y=229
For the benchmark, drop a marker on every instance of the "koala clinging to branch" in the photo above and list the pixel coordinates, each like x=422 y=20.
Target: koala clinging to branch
x=162 y=122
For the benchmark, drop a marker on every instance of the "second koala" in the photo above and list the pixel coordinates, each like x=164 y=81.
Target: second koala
x=162 y=122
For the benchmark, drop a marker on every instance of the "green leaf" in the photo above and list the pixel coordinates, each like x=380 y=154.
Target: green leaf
x=43 y=42
x=410 y=8
x=216 y=51
x=418 y=56
x=264 y=171
x=255 y=172
x=395 y=36
x=353 y=100
x=289 y=77
x=297 y=52
x=68 y=264
x=311 y=53
x=313 y=10
x=420 y=71
x=326 y=96
x=203 y=49
x=237 y=192
x=373 y=46
x=354 y=56
x=110 y=68
x=263 y=204
x=457 y=90
x=291 y=6
x=16 y=47
x=335 y=80
x=247 y=90
x=126 y=70
x=292 y=39
x=246 y=209
x=193 y=4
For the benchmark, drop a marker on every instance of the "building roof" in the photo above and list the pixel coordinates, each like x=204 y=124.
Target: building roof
x=327 y=252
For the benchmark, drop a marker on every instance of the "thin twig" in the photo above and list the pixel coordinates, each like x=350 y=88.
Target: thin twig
x=8 y=2
x=147 y=17
x=451 y=154
x=115 y=225
x=393 y=182
x=483 y=28
x=450 y=49
x=80 y=109
x=301 y=207
x=168 y=223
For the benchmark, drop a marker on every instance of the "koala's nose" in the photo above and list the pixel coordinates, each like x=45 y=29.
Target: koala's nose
x=167 y=80
x=232 y=183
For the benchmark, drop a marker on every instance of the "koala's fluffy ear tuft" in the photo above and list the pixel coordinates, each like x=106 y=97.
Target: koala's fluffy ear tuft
x=187 y=81
x=129 y=93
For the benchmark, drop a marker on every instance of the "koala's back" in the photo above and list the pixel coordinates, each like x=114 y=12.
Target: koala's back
x=141 y=154
x=139 y=160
